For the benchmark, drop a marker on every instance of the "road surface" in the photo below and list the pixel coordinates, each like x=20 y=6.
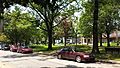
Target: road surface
x=17 y=60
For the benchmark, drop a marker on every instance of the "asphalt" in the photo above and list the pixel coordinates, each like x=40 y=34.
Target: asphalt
x=38 y=60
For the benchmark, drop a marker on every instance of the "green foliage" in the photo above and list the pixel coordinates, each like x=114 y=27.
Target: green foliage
x=43 y=48
x=19 y=27
x=50 y=11
x=3 y=38
x=108 y=17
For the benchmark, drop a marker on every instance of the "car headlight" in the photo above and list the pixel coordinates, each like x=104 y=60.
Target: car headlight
x=86 y=56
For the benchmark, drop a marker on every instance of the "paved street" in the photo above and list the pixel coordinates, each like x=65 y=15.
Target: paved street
x=16 y=60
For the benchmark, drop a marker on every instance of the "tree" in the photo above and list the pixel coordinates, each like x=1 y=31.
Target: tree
x=86 y=25
x=19 y=27
x=3 y=38
x=49 y=11
x=95 y=27
x=63 y=30
x=108 y=17
x=89 y=20
x=66 y=24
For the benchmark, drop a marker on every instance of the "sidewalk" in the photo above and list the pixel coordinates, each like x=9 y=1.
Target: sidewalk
x=109 y=61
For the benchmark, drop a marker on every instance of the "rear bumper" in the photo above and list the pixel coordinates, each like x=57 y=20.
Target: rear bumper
x=14 y=50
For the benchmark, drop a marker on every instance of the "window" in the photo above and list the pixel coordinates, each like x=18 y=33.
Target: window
x=65 y=49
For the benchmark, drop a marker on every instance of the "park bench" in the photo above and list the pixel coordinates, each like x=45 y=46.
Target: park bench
x=113 y=50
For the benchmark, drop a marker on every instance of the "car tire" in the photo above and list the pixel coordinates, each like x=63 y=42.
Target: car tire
x=59 y=56
x=78 y=59
x=11 y=49
x=22 y=52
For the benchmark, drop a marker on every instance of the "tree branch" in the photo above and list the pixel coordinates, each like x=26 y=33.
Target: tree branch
x=37 y=11
x=40 y=15
x=59 y=22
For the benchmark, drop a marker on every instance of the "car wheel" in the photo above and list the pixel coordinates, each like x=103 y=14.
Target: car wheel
x=10 y=49
x=78 y=59
x=22 y=52
x=59 y=56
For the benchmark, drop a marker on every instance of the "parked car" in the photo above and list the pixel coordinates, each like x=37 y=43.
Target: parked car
x=74 y=54
x=13 y=48
x=0 y=45
x=5 y=47
x=24 y=49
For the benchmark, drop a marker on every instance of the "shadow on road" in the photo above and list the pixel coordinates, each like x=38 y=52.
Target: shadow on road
x=19 y=56
x=70 y=66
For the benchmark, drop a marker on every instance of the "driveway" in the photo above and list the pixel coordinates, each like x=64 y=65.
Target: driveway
x=16 y=60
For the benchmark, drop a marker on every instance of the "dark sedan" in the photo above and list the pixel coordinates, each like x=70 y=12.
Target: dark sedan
x=6 y=47
x=74 y=54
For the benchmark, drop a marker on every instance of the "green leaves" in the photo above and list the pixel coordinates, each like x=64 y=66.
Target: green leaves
x=19 y=26
x=108 y=14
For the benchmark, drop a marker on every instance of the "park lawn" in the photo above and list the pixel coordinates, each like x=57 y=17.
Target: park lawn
x=43 y=48
x=40 y=48
x=111 y=44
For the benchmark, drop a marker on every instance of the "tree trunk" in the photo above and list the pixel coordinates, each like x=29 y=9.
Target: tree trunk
x=16 y=39
x=95 y=29
x=87 y=41
x=53 y=41
x=100 y=39
x=1 y=25
x=76 y=39
x=65 y=38
x=49 y=39
x=108 y=39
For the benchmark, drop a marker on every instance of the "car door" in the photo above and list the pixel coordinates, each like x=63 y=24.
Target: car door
x=64 y=52
x=71 y=53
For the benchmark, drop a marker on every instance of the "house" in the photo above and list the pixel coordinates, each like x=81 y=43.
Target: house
x=71 y=40
x=84 y=40
x=114 y=37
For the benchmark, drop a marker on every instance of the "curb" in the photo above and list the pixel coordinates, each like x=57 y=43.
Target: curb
x=109 y=61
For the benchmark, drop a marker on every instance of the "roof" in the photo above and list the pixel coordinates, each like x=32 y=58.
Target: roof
x=115 y=34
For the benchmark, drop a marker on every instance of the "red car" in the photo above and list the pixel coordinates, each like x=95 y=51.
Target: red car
x=13 y=48
x=72 y=53
x=24 y=49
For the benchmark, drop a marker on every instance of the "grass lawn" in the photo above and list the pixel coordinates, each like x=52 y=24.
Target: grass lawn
x=84 y=48
x=43 y=48
x=111 y=44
